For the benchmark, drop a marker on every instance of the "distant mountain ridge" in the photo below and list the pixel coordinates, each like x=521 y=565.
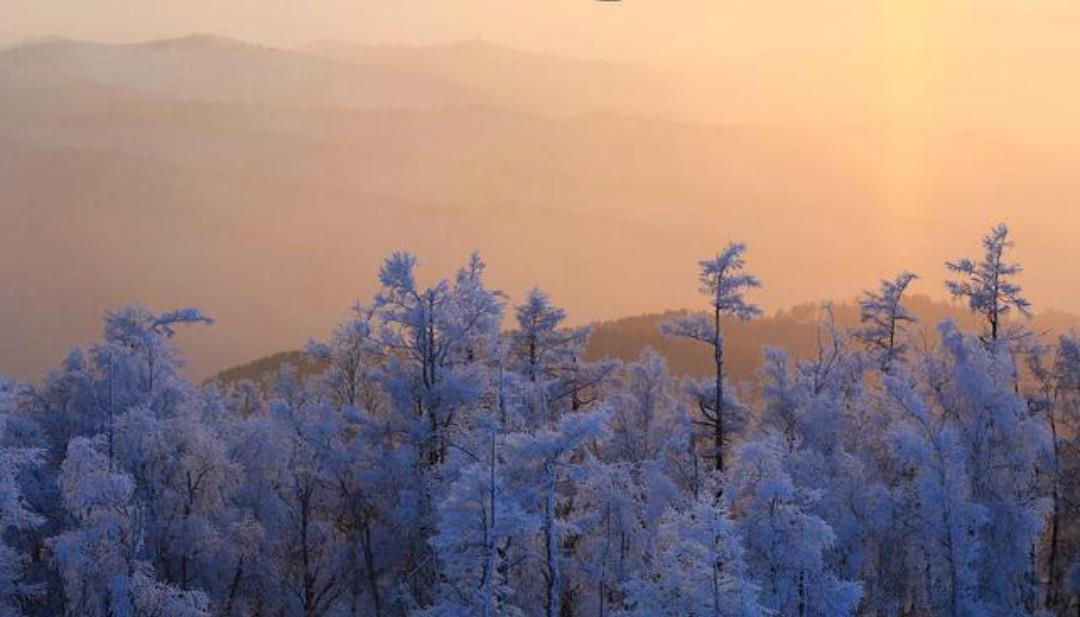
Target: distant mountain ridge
x=211 y=68
x=525 y=80
x=266 y=185
x=795 y=330
x=337 y=75
x=234 y=177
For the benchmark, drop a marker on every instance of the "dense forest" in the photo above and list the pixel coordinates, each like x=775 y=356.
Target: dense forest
x=451 y=451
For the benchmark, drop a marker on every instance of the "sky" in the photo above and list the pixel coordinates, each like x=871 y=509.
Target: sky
x=920 y=97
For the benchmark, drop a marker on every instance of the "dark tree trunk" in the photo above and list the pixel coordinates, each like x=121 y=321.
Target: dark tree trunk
x=718 y=402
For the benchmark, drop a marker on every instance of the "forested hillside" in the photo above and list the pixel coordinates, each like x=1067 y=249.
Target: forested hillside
x=796 y=330
x=429 y=461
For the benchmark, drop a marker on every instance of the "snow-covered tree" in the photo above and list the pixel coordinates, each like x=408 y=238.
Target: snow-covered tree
x=550 y=357
x=15 y=514
x=135 y=365
x=696 y=568
x=437 y=465
x=309 y=556
x=883 y=317
x=183 y=477
x=99 y=560
x=932 y=451
x=1006 y=445
x=644 y=404
x=485 y=527
x=1057 y=399
x=433 y=338
x=987 y=285
x=972 y=449
x=541 y=344
x=785 y=542
x=351 y=358
x=551 y=454
x=784 y=400
x=725 y=282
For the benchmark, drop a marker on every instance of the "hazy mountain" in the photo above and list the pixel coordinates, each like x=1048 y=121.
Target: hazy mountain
x=265 y=186
x=116 y=185
x=536 y=82
x=212 y=68
x=339 y=75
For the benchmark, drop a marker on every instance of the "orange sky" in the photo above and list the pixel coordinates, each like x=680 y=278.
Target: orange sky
x=942 y=117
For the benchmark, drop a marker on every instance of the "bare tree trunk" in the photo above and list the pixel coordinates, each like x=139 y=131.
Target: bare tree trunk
x=716 y=589
x=489 y=540
x=802 y=594
x=554 y=582
x=954 y=577
x=234 y=586
x=369 y=567
x=602 y=585
x=1055 y=521
x=718 y=403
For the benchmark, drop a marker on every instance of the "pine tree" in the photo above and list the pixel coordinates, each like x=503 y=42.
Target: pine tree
x=987 y=285
x=725 y=283
x=883 y=318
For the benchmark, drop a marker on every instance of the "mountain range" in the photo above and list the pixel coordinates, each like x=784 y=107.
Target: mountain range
x=265 y=185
